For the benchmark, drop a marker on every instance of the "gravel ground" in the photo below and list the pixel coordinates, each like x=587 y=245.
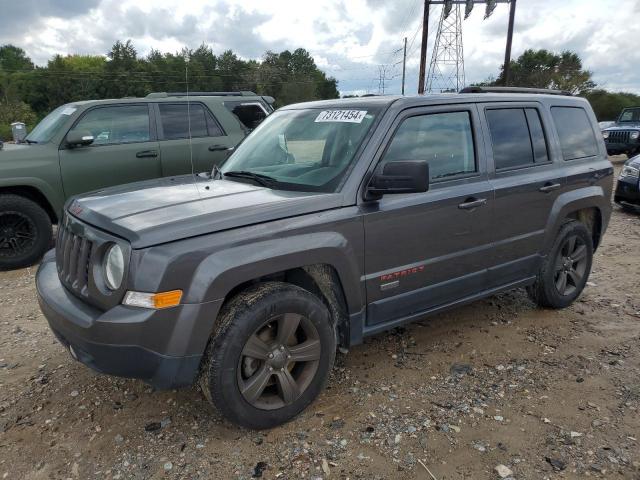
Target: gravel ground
x=498 y=389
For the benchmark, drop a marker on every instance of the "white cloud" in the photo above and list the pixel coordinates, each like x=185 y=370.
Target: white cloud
x=348 y=38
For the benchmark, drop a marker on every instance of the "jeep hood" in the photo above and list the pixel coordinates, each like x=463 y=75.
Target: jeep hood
x=159 y=211
x=623 y=126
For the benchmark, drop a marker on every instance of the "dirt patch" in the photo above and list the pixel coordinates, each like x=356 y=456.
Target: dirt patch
x=544 y=394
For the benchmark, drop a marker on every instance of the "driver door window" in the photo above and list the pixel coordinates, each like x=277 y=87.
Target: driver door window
x=124 y=150
x=117 y=124
x=445 y=140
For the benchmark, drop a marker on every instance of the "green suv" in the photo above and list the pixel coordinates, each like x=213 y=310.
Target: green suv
x=89 y=145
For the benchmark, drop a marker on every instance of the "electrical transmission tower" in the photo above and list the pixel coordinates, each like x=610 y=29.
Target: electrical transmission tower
x=446 y=71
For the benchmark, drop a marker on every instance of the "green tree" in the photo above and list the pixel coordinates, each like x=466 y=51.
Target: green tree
x=294 y=77
x=63 y=80
x=608 y=105
x=235 y=73
x=13 y=58
x=545 y=69
x=13 y=64
x=124 y=76
x=289 y=76
x=14 y=112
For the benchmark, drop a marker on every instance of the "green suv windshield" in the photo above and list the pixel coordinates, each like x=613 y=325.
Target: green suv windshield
x=309 y=150
x=49 y=126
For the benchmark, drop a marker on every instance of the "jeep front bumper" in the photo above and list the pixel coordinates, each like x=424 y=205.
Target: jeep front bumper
x=614 y=148
x=161 y=347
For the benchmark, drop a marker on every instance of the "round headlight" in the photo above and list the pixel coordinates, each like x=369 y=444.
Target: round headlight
x=605 y=135
x=114 y=267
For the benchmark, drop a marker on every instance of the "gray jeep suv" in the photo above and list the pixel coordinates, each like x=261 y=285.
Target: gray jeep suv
x=332 y=221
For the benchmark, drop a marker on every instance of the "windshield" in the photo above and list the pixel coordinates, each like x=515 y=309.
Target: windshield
x=631 y=115
x=47 y=128
x=309 y=150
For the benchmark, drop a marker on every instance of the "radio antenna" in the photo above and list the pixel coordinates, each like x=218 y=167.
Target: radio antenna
x=193 y=169
x=186 y=80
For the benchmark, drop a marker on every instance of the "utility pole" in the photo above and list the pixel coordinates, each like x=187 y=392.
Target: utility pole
x=404 y=64
x=507 y=53
x=423 y=51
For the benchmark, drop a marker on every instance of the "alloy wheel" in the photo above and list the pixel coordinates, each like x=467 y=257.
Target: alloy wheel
x=279 y=361
x=570 y=265
x=17 y=234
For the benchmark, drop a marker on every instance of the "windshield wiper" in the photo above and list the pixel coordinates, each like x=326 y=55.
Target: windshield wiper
x=264 y=180
x=30 y=142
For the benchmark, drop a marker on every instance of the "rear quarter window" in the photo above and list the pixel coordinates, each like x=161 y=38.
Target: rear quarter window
x=249 y=114
x=575 y=131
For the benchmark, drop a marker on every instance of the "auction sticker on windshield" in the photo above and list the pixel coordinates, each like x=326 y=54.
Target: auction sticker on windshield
x=349 y=116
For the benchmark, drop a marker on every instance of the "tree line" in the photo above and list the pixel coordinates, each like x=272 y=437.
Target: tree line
x=29 y=92
x=564 y=71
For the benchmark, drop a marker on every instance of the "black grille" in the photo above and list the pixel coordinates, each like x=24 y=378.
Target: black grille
x=619 y=136
x=73 y=254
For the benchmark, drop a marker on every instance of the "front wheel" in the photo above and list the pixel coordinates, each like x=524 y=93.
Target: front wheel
x=270 y=355
x=565 y=271
x=25 y=232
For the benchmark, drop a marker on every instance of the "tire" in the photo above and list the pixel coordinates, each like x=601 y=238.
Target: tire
x=25 y=232
x=247 y=376
x=569 y=258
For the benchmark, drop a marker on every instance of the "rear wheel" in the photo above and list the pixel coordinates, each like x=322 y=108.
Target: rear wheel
x=25 y=232
x=566 y=269
x=270 y=356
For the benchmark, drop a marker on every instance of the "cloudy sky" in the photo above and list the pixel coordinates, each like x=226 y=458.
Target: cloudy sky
x=349 y=39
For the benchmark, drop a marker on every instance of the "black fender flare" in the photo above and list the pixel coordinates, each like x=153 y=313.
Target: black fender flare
x=569 y=202
x=219 y=273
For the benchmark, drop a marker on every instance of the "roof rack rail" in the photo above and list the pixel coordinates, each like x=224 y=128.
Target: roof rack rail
x=540 y=91
x=200 y=94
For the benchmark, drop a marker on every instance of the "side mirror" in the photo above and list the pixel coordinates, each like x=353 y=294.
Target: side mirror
x=79 y=138
x=400 y=177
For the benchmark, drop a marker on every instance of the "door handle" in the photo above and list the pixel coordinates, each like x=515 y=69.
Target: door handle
x=219 y=148
x=549 y=187
x=147 y=153
x=471 y=203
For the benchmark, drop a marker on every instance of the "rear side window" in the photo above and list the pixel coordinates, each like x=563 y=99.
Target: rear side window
x=175 y=121
x=250 y=115
x=517 y=137
x=575 y=131
x=445 y=140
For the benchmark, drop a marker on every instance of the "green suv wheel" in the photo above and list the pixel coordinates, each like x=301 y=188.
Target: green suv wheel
x=270 y=356
x=25 y=232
